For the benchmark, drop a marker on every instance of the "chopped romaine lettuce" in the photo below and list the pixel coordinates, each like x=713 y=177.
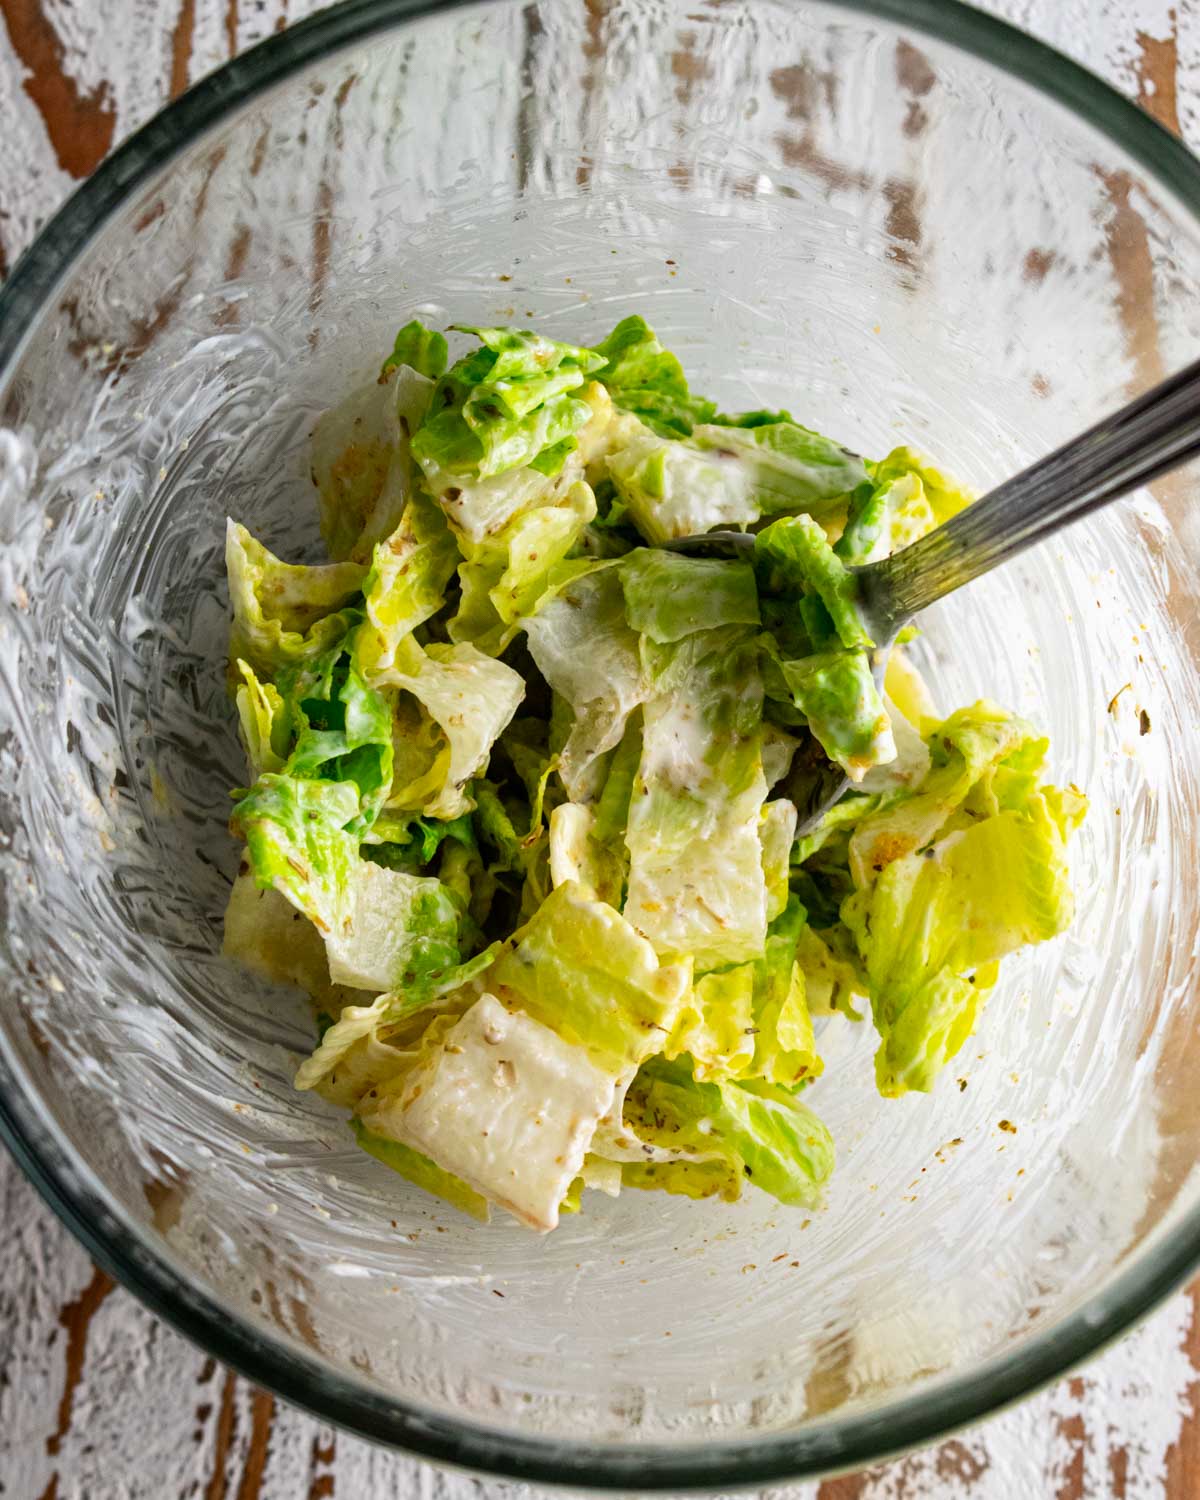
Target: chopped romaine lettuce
x=789 y=467
x=503 y=1103
x=696 y=883
x=424 y=1173
x=420 y=349
x=509 y=404
x=283 y=613
x=581 y=969
x=945 y=496
x=295 y=832
x=580 y=946
x=586 y=650
x=406 y=583
x=400 y=932
x=644 y=378
x=264 y=720
x=764 y=1133
x=471 y=696
x=930 y=922
x=362 y=460
x=668 y=596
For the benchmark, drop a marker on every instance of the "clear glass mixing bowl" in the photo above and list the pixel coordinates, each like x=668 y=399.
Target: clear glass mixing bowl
x=904 y=221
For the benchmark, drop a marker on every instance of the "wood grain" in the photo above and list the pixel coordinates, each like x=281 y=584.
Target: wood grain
x=98 y=1399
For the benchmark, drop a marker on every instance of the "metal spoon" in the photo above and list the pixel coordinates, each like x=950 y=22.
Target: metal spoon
x=1157 y=432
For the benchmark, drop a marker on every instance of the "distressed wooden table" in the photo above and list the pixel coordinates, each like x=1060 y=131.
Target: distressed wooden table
x=97 y=1398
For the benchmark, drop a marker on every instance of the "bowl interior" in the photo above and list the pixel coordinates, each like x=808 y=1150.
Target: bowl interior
x=815 y=209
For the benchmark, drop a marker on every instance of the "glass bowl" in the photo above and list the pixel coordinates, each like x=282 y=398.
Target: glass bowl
x=904 y=221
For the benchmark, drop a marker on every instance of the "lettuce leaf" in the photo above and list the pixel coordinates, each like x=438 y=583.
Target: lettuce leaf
x=470 y=696
x=944 y=495
x=584 y=648
x=265 y=722
x=423 y=1173
x=696 y=883
x=776 y=834
x=504 y=578
x=644 y=378
x=283 y=613
x=668 y=596
x=581 y=969
x=931 y=922
x=343 y=729
x=837 y=695
x=674 y=489
x=505 y=406
x=406 y=583
x=362 y=460
x=265 y=932
x=819 y=647
x=419 y=348
x=789 y=467
x=884 y=517
x=577 y=855
x=793 y=557
x=763 y=1133
x=295 y=832
x=715 y=1025
x=785 y=1049
x=400 y=932
x=503 y=1103
x=479 y=511
x=965 y=750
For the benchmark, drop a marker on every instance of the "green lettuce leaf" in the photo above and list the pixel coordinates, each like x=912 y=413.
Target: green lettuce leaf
x=668 y=596
x=505 y=406
x=776 y=834
x=944 y=495
x=400 y=932
x=581 y=969
x=793 y=557
x=470 y=696
x=265 y=722
x=283 y=613
x=715 y=1025
x=785 y=1049
x=362 y=461
x=930 y=923
x=966 y=750
x=673 y=489
x=644 y=378
x=343 y=729
x=426 y=1174
x=584 y=648
x=597 y=868
x=696 y=883
x=765 y=1134
x=419 y=348
x=265 y=932
x=728 y=476
x=836 y=693
x=789 y=467
x=505 y=577
x=406 y=583
x=884 y=517
x=369 y=1047
x=502 y=1102
x=296 y=839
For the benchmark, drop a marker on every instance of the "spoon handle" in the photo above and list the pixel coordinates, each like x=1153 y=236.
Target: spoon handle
x=1158 y=431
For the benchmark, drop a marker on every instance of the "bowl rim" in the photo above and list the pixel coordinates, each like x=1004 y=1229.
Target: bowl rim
x=121 y=1245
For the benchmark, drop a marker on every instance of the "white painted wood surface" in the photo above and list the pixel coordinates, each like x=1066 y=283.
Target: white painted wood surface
x=97 y=1398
